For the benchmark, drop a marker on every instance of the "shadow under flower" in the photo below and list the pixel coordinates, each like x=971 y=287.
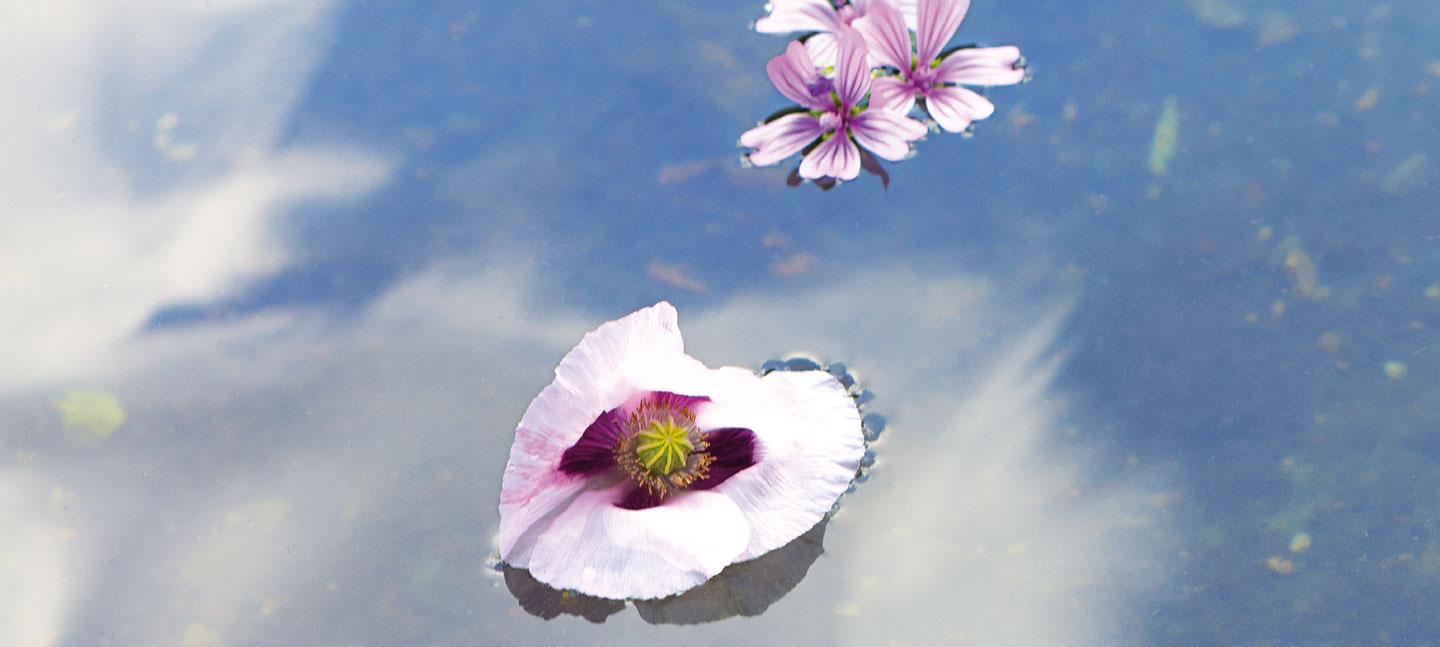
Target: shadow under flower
x=744 y=589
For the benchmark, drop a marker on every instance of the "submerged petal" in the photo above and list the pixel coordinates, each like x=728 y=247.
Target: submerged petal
x=600 y=549
x=954 y=107
x=810 y=443
x=794 y=75
x=836 y=157
x=982 y=66
x=781 y=138
x=798 y=15
x=936 y=21
x=886 y=134
x=884 y=30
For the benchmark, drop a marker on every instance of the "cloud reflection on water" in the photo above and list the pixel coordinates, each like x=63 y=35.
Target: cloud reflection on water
x=296 y=478
x=105 y=221
x=302 y=476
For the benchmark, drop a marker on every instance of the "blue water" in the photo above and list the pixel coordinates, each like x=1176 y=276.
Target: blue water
x=323 y=254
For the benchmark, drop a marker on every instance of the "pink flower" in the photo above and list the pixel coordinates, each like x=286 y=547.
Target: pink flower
x=823 y=17
x=639 y=473
x=927 y=72
x=834 y=114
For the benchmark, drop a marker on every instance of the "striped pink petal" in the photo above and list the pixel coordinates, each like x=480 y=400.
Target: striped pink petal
x=955 y=108
x=892 y=94
x=885 y=33
x=852 y=68
x=781 y=138
x=836 y=157
x=799 y=15
x=982 y=66
x=886 y=134
x=937 y=21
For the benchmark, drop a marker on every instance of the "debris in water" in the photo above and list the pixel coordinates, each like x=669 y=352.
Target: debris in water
x=1280 y=565
x=1275 y=27
x=89 y=417
x=1369 y=100
x=1221 y=14
x=1410 y=175
x=793 y=265
x=1167 y=130
x=675 y=277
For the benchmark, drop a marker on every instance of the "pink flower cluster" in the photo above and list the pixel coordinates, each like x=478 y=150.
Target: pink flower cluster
x=858 y=76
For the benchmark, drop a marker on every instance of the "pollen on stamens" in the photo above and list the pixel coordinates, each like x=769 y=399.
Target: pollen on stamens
x=662 y=451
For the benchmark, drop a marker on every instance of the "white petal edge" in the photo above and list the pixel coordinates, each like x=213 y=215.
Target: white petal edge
x=810 y=444
x=823 y=49
x=598 y=549
x=602 y=372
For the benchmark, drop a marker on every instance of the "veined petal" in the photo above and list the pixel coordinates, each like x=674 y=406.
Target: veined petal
x=822 y=49
x=908 y=10
x=836 y=157
x=794 y=75
x=810 y=444
x=852 y=67
x=799 y=15
x=600 y=549
x=886 y=134
x=954 y=107
x=892 y=94
x=781 y=138
x=884 y=30
x=601 y=373
x=982 y=66
x=937 y=21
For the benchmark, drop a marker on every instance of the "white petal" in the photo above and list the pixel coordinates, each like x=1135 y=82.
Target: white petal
x=823 y=49
x=808 y=431
x=598 y=549
x=607 y=369
x=799 y=15
x=955 y=108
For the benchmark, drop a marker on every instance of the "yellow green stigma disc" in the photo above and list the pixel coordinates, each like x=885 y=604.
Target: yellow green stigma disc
x=663 y=446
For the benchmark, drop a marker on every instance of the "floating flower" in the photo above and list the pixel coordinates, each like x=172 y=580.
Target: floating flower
x=639 y=473
x=833 y=112
x=926 y=71
x=825 y=18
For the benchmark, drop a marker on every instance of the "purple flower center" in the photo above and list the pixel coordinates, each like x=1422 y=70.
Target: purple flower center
x=820 y=87
x=658 y=447
x=922 y=79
